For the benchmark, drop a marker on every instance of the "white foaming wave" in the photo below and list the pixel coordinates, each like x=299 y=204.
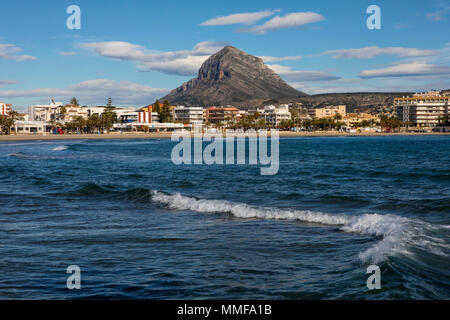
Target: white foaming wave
x=241 y=210
x=60 y=148
x=398 y=233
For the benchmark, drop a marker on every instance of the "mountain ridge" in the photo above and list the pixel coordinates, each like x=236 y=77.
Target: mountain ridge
x=233 y=77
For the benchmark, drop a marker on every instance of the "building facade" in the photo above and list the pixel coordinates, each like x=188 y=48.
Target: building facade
x=422 y=109
x=45 y=112
x=328 y=112
x=146 y=117
x=221 y=114
x=191 y=115
x=273 y=116
x=5 y=109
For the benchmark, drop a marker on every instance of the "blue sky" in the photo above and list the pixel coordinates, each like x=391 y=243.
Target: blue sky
x=136 y=51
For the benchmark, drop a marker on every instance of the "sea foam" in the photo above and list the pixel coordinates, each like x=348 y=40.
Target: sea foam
x=60 y=148
x=397 y=233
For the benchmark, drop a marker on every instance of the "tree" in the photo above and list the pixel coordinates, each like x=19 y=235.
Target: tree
x=444 y=120
x=80 y=124
x=3 y=123
x=74 y=101
x=9 y=121
x=107 y=120
x=108 y=117
x=260 y=124
x=157 y=107
x=94 y=122
x=165 y=115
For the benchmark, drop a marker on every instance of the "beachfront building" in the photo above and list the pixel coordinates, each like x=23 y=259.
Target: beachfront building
x=30 y=127
x=422 y=109
x=188 y=115
x=328 y=112
x=223 y=115
x=273 y=116
x=126 y=115
x=5 y=109
x=146 y=117
x=95 y=111
x=45 y=112
x=352 y=119
x=72 y=112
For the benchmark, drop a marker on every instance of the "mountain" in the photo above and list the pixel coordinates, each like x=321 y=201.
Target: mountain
x=233 y=77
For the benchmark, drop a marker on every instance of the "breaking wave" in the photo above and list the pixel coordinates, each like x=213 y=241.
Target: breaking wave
x=60 y=148
x=398 y=234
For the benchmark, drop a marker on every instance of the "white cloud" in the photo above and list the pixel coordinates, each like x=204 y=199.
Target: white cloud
x=302 y=76
x=408 y=69
x=238 y=18
x=7 y=82
x=373 y=51
x=182 y=62
x=67 y=53
x=9 y=51
x=269 y=59
x=290 y=20
x=95 y=92
x=438 y=15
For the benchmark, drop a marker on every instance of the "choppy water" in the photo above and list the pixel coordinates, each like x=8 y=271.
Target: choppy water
x=140 y=227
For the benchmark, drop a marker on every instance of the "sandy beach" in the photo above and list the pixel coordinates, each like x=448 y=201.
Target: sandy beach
x=167 y=135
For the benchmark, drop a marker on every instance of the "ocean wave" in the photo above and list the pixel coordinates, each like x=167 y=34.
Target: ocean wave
x=60 y=148
x=398 y=234
x=20 y=155
x=25 y=156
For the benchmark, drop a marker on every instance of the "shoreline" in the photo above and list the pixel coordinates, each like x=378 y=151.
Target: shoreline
x=167 y=135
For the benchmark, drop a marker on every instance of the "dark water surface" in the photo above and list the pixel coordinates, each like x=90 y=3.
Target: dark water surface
x=141 y=227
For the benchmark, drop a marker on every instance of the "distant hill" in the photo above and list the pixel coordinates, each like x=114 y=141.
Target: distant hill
x=233 y=77
x=361 y=100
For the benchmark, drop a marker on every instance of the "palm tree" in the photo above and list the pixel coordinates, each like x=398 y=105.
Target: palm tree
x=12 y=115
x=2 y=123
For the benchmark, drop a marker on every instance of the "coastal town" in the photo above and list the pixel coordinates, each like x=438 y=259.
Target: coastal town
x=421 y=112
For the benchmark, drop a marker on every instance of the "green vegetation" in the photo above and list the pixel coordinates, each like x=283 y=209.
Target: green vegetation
x=157 y=107
x=165 y=115
x=7 y=122
x=444 y=120
x=74 y=101
x=390 y=124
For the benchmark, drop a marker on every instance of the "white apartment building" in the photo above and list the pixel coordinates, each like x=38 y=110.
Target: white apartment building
x=5 y=109
x=23 y=127
x=275 y=115
x=44 y=112
x=73 y=112
x=127 y=115
x=422 y=109
x=191 y=115
x=95 y=110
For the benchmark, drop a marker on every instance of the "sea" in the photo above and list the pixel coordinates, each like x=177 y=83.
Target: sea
x=137 y=226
